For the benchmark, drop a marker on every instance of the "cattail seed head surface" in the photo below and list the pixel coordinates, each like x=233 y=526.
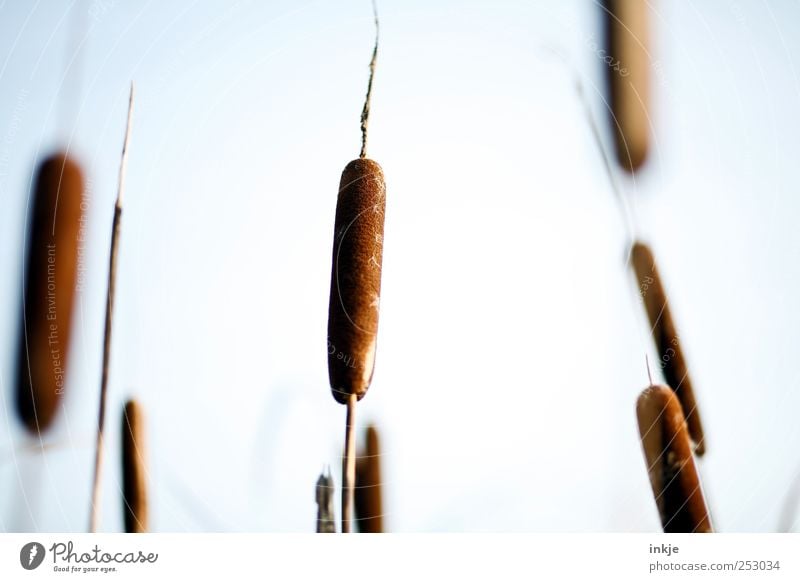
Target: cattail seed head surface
x=670 y=462
x=51 y=265
x=628 y=68
x=356 y=279
x=134 y=469
x=368 y=493
x=667 y=342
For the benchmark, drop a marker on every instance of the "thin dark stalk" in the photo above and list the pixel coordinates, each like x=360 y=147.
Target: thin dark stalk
x=94 y=516
x=365 y=111
x=630 y=224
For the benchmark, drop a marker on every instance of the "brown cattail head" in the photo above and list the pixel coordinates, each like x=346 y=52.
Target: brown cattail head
x=368 y=494
x=627 y=61
x=356 y=279
x=51 y=279
x=671 y=358
x=134 y=469
x=670 y=463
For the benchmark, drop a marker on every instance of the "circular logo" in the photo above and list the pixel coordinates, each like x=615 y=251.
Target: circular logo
x=31 y=555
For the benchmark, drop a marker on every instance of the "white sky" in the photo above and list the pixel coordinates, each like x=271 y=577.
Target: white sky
x=511 y=348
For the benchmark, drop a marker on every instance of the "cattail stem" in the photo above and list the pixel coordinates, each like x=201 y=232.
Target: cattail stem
x=349 y=464
x=94 y=516
x=357 y=260
x=627 y=215
x=367 y=99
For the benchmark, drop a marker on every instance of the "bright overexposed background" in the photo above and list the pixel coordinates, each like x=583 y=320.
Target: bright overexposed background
x=511 y=345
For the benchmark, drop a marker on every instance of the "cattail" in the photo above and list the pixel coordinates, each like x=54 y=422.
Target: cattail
x=52 y=264
x=670 y=463
x=134 y=469
x=628 y=68
x=355 y=299
x=368 y=496
x=326 y=517
x=356 y=286
x=667 y=342
x=356 y=279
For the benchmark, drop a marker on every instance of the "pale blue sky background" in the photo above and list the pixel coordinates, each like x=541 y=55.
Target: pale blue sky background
x=511 y=347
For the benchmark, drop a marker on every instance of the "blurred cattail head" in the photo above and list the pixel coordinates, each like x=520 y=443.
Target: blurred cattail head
x=628 y=63
x=52 y=267
x=670 y=462
x=671 y=359
x=134 y=469
x=326 y=517
x=368 y=493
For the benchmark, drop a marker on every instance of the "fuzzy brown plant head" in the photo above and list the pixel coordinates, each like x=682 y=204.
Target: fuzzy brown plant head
x=670 y=462
x=52 y=266
x=134 y=469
